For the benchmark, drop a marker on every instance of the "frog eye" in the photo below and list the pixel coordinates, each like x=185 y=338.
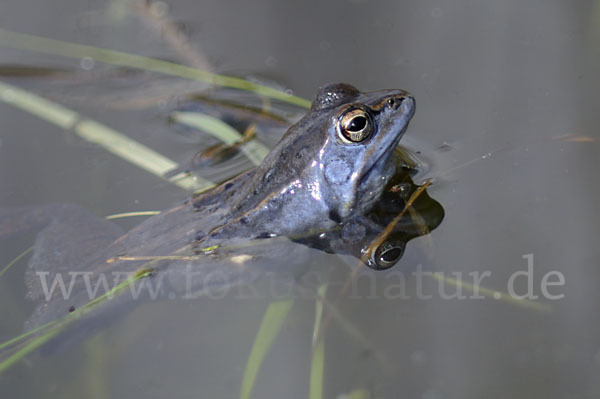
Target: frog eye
x=355 y=125
x=387 y=254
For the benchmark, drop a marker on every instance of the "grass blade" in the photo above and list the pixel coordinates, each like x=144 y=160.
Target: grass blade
x=131 y=214
x=109 y=139
x=73 y=50
x=15 y=260
x=317 y=371
x=254 y=150
x=30 y=339
x=491 y=293
x=269 y=328
x=317 y=367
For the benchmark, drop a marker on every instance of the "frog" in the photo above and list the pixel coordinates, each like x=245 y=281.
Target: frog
x=321 y=186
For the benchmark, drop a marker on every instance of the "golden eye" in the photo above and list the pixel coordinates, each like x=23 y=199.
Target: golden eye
x=355 y=125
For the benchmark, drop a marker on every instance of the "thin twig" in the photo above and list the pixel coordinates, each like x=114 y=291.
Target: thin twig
x=158 y=20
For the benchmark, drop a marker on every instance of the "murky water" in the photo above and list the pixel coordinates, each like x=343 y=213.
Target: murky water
x=506 y=117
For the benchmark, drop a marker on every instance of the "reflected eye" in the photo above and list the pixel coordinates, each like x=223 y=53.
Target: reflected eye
x=387 y=254
x=355 y=125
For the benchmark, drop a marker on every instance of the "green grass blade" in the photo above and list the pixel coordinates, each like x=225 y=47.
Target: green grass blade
x=73 y=50
x=491 y=293
x=51 y=112
x=15 y=260
x=53 y=328
x=254 y=150
x=95 y=373
x=109 y=139
x=131 y=214
x=359 y=393
x=211 y=125
x=6 y=344
x=317 y=367
x=27 y=349
x=269 y=328
x=317 y=371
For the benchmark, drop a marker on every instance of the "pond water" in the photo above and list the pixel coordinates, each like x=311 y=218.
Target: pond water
x=507 y=122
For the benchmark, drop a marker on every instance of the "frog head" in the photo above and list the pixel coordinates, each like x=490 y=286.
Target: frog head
x=331 y=165
x=358 y=135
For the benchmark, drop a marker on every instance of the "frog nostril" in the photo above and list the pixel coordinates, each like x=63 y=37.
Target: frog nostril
x=394 y=102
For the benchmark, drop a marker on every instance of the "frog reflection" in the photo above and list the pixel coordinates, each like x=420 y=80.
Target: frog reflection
x=358 y=236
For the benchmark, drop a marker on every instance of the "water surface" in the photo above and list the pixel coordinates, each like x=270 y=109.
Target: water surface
x=498 y=87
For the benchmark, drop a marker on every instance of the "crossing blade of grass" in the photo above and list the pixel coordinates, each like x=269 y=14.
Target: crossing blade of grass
x=269 y=329
x=131 y=214
x=17 y=348
x=492 y=294
x=109 y=139
x=317 y=367
x=15 y=260
x=109 y=217
x=317 y=370
x=95 y=373
x=18 y=341
x=254 y=150
x=73 y=50
x=27 y=348
x=359 y=393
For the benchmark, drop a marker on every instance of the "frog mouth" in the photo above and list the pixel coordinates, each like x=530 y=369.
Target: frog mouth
x=389 y=136
x=376 y=177
x=379 y=171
